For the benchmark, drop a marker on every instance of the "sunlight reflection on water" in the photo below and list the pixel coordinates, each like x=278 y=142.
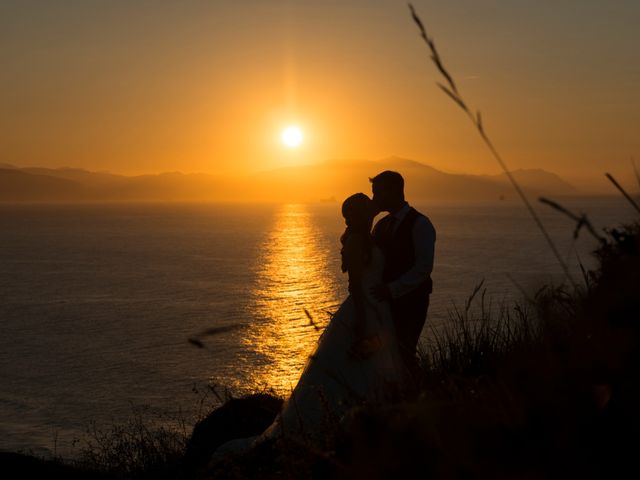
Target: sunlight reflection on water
x=292 y=275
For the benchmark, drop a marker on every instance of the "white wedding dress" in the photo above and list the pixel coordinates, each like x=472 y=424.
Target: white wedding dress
x=333 y=382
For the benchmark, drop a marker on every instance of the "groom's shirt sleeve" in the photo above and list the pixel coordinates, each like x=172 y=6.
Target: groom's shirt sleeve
x=424 y=240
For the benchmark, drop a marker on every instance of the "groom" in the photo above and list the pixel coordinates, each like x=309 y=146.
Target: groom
x=407 y=239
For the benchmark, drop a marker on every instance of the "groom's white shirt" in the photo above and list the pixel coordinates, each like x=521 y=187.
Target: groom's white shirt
x=424 y=239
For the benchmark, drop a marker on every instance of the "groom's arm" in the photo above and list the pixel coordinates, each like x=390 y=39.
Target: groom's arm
x=424 y=239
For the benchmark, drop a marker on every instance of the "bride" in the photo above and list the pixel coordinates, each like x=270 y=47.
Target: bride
x=357 y=358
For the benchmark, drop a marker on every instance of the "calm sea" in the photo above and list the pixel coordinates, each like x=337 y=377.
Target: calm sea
x=97 y=303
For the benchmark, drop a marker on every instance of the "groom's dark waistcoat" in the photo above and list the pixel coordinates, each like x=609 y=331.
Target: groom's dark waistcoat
x=399 y=254
x=409 y=311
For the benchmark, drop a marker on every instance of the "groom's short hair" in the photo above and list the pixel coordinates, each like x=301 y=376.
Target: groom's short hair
x=389 y=180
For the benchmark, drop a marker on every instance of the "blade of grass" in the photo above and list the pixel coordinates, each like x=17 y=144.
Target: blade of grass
x=623 y=191
x=581 y=220
x=454 y=94
x=635 y=170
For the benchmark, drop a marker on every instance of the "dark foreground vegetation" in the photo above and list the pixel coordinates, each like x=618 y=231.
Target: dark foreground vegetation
x=548 y=388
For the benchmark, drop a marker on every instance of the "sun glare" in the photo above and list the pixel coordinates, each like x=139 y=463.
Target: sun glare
x=292 y=136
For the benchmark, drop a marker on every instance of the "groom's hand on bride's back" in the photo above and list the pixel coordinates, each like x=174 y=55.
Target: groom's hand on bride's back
x=381 y=292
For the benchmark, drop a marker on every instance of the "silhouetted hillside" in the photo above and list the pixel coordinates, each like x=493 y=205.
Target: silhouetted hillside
x=89 y=179
x=339 y=178
x=16 y=185
x=538 y=180
x=332 y=179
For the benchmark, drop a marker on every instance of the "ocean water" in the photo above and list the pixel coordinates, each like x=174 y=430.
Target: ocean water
x=98 y=302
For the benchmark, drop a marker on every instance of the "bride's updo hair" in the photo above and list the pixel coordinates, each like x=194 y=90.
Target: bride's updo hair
x=358 y=212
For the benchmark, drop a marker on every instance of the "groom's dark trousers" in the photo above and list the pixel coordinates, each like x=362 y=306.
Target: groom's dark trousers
x=409 y=311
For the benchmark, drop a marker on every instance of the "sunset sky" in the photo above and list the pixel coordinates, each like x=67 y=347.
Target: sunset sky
x=209 y=86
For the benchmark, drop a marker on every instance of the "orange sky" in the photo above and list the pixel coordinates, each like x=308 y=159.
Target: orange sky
x=152 y=86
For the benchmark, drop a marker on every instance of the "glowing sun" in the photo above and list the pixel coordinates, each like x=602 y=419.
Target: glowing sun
x=292 y=136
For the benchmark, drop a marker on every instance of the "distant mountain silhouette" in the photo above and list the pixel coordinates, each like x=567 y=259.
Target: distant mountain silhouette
x=331 y=179
x=90 y=179
x=16 y=185
x=538 y=180
x=339 y=178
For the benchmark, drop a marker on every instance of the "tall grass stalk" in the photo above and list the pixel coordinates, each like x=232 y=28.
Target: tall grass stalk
x=452 y=91
x=147 y=445
x=477 y=338
x=581 y=220
x=623 y=191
